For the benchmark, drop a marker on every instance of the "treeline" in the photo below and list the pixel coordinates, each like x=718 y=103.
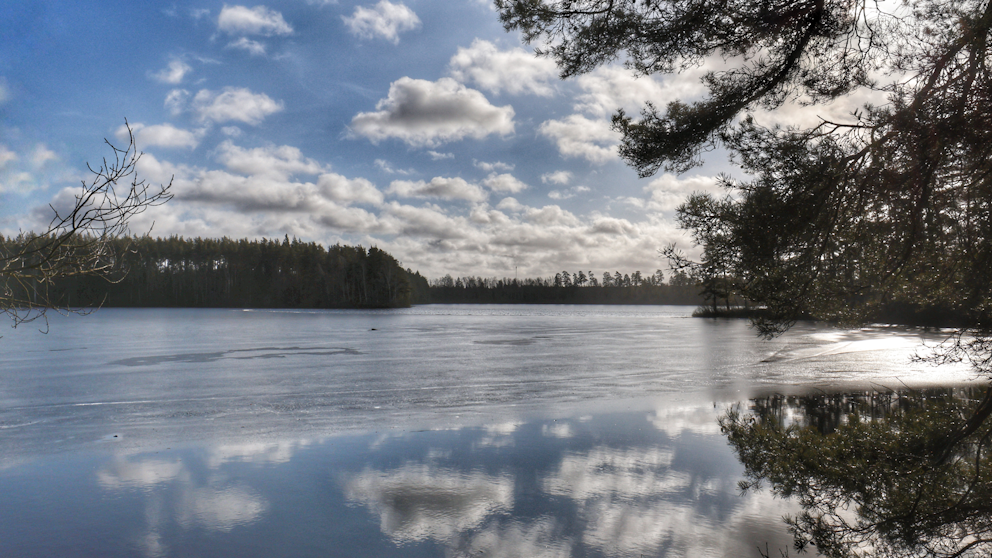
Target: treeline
x=228 y=273
x=568 y=288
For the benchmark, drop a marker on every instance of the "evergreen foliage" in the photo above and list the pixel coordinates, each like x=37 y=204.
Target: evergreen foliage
x=228 y=273
x=564 y=288
x=873 y=471
x=887 y=210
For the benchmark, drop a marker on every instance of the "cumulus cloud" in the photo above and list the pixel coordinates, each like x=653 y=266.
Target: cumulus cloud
x=280 y=204
x=385 y=20
x=233 y=104
x=494 y=166
x=611 y=226
x=440 y=156
x=552 y=215
x=504 y=183
x=31 y=171
x=511 y=204
x=609 y=88
x=587 y=133
x=250 y=46
x=429 y=113
x=348 y=190
x=388 y=168
x=428 y=222
x=578 y=136
x=561 y=177
x=176 y=101
x=439 y=187
x=669 y=191
x=566 y=194
x=160 y=135
x=261 y=191
x=277 y=161
x=41 y=155
x=240 y=20
x=173 y=73
x=514 y=71
x=6 y=156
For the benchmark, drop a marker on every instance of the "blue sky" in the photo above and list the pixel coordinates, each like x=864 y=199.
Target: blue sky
x=421 y=127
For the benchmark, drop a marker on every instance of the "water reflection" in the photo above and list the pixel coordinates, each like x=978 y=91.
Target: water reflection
x=877 y=474
x=416 y=502
x=652 y=481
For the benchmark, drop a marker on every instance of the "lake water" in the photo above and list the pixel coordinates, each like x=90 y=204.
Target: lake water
x=449 y=431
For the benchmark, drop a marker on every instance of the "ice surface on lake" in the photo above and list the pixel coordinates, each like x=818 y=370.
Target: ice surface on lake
x=546 y=431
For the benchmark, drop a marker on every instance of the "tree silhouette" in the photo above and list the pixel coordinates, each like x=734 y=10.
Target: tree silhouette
x=81 y=239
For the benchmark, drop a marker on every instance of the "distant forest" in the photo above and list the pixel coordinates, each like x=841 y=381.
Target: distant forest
x=228 y=273
x=568 y=288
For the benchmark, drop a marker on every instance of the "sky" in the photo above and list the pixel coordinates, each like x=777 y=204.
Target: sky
x=418 y=126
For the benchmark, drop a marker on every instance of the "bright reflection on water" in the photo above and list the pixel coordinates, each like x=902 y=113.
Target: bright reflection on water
x=541 y=431
x=609 y=484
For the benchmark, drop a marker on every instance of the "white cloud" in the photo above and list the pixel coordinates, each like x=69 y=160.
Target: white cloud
x=440 y=156
x=176 y=101
x=389 y=169
x=494 y=166
x=240 y=20
x=611 y=226
x=504 y=183
x=281 y=162
x=511 y=204
x=346 y=190
x=173 y=73
x=231 y=131
x=558 y=177
x=566 y=194
x=578 y=136
x=41 y=155
x=669 y=191
x=161 y=135
x=386 y=20
x=428 y=113
x=609 y=88
x=252 y=47
x=234 y=104
x=6 y=157
x=429 y=222
x=439 y=187
x=514 y=71
x=552 y=215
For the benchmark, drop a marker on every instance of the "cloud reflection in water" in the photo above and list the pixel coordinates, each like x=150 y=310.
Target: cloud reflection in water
x=417 y=502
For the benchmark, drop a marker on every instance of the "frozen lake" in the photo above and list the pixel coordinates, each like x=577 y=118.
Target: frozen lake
x=432 y=431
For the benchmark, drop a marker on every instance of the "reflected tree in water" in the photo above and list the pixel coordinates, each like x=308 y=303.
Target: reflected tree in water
x=873 y=472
